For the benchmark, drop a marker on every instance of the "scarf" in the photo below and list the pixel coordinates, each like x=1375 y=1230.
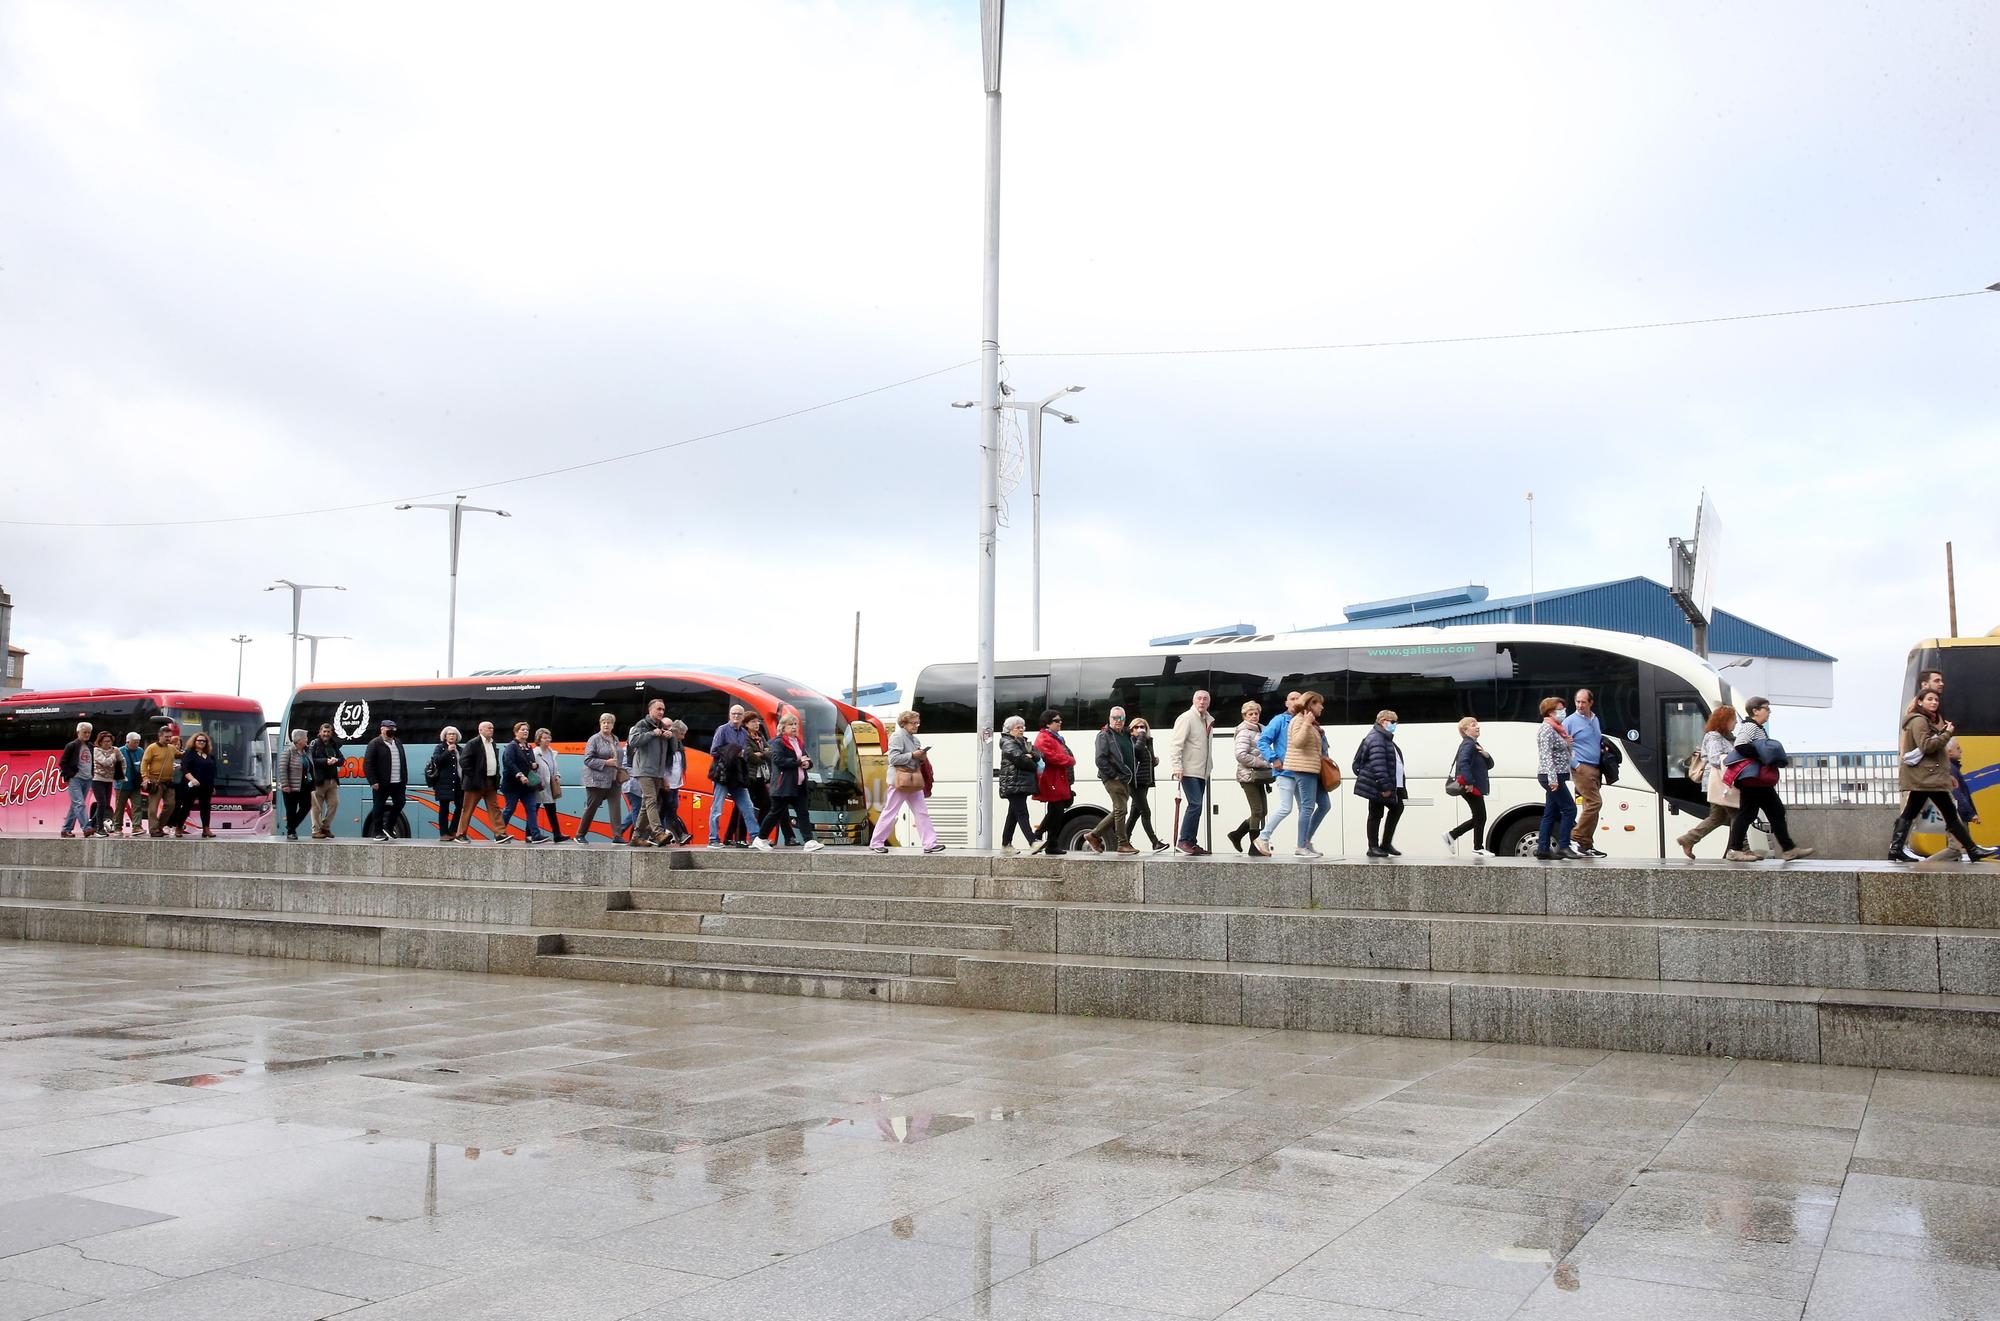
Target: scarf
x=798 y=748
x=1557 y=726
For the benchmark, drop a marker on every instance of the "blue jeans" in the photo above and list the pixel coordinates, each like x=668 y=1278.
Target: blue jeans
x=1312 y=805
x=78 y=815
x=745 y=810
x=526 y=797
x=1287 y=797
x=1195 y=788
x=634 y=805
x=1558 y=816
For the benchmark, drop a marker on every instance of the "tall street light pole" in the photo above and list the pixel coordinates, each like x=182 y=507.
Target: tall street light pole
x=312 y=641
x=458 y=509
x=992 y=16
x=241 y=640
x=1035 y=409
x=298 y=590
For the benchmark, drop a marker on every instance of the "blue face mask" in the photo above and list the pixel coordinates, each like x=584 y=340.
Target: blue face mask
x=1390 y=727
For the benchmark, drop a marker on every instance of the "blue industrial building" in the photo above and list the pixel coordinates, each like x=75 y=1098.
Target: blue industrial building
x=1627 y=605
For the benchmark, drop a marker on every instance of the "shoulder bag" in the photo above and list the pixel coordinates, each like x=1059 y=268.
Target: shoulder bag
x=1329 y=774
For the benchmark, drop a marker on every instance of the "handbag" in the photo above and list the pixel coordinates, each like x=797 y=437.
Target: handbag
x=907 y=779
x=1329 y=774
x=1453 y=788
x=1719 y=791
x=534 y=779
x=1914 y=757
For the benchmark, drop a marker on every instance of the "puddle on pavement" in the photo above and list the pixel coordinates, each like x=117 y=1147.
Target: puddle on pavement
x=641 y=1139
x=256 y=1067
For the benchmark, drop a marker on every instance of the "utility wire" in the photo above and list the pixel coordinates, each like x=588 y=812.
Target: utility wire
x=1519 y=334
x=957 y=366
x=510 y=481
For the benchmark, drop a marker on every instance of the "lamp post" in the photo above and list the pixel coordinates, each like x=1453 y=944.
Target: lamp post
x=298 y=590
x=241 y=640
x=312 y=641
x=458 y=509
x=992 y=20
x=1035 y=409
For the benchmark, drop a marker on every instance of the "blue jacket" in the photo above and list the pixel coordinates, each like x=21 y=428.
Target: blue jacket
x=1271 y=742
x=134 y=757
x=516 y=760
x=1471 y=767
x=1375 y=763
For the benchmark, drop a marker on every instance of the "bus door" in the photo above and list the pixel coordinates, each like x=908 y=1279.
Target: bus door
x=1682 y=718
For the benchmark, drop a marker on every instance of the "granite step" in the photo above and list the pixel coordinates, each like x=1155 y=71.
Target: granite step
x=768 y=953
x=930 y=935
x=818 y=983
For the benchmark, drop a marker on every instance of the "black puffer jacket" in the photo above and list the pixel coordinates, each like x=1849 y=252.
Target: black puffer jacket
x=1017 y=766
x=1144 y=764
x=1375 y=763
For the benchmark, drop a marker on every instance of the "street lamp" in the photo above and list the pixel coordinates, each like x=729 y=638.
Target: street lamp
x=1034 y=409
x=241 y=640
x=312 y=649
x=458 y=509
x=298 y=590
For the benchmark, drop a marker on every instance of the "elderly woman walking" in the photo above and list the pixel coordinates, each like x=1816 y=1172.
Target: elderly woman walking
x=1055 y=780
x=601 y=777
x=907 y=760
x=1552 y=767
x=1253 y=773
x=1017 y=782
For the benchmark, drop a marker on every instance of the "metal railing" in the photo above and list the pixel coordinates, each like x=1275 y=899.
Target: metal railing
x=1841 y=779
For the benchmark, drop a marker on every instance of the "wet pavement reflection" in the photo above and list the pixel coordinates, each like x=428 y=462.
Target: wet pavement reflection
x=203 y=1135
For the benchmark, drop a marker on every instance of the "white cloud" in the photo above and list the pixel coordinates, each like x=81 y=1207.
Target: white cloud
x=263 y=258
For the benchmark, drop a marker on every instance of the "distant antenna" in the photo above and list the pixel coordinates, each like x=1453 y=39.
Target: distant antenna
x=1531 y=557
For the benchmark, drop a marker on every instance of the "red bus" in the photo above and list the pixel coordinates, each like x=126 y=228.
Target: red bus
x=567 y=703
x=34 y=726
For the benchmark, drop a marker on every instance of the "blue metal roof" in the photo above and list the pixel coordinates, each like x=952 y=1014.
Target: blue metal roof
x=1470 y=594
x=1628 y=605
x=1225 y=631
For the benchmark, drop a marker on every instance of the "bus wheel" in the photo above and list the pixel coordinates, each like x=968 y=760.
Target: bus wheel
x=1075 y=828
x=1516 y=837
x=402 y=827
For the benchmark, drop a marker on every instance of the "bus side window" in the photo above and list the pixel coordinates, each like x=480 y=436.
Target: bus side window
x=945 y=696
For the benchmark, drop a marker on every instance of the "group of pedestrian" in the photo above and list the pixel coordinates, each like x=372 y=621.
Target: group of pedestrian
x=763 y=776
x=1931 y=776
x=1126 y=763
x=139 y=788
x=1738 y=767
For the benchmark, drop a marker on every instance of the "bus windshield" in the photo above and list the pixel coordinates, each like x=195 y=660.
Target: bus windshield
x=1971 y=684
x=829 y=741
x=236 y=735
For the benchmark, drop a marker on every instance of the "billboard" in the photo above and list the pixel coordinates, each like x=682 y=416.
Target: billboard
x=1707 y=551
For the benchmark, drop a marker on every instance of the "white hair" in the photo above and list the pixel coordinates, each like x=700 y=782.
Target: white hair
x=449 y=729
x=83 y=727
x=1012 y=723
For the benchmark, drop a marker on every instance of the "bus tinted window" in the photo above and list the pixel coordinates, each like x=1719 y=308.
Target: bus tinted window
x=1158 y=687
x=946 y=695
x=702 y=707
x=1423 y=683
x=1530 y=671
x=1971 y=687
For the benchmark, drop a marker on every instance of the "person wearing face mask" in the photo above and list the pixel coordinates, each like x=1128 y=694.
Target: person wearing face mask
x=1552 y=765
x=1378 y=777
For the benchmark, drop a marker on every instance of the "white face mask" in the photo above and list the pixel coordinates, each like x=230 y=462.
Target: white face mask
x=1561 y=714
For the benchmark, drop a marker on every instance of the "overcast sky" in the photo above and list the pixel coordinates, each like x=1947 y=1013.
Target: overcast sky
x=264 y=258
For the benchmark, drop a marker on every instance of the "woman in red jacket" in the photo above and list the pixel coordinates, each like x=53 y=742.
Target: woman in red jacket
x=1052 y=781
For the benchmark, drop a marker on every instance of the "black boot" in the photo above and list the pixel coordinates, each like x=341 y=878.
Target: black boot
x=1236 y=836
x=1898 y=835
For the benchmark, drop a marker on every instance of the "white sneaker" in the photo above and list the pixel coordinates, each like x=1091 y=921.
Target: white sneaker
x=814 y=846
x=1308 y=852
x=1451 y=844
x=714 y=844
x=761 y=844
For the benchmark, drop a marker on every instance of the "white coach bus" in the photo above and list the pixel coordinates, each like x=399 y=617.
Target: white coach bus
x=1652 y=697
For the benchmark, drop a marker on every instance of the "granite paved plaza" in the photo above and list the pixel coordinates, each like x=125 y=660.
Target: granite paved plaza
x=191 y=1135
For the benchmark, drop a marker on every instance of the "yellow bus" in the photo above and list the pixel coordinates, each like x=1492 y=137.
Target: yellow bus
x=1971 y=669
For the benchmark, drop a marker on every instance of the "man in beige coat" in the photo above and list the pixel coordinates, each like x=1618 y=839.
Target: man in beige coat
x=1188 y=749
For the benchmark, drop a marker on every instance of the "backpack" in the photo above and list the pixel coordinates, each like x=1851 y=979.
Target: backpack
x=1610 y=761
